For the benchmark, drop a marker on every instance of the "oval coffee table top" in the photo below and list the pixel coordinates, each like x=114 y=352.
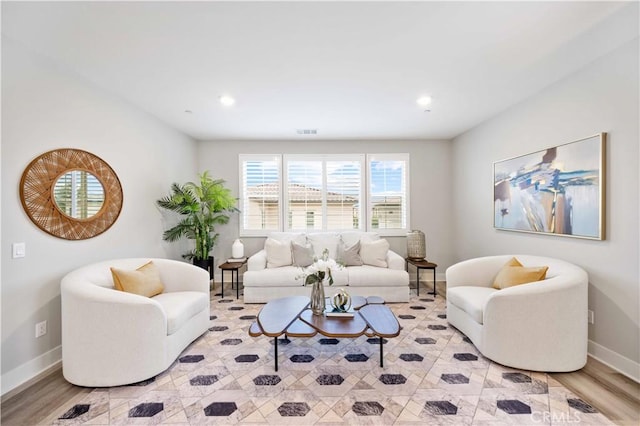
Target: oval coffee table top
x=278 y=314
x=381 y=320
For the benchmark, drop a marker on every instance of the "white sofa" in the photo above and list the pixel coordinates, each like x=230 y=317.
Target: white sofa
x=262 y=284
x=540 y=326
x=112 y=338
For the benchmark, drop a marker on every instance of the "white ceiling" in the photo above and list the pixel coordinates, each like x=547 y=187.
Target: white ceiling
x=348 y=69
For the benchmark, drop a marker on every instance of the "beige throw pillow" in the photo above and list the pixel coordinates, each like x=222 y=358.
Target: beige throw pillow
x=374 y=253
x=144 y=281
x=302 y=254
x=513 y=273
x=278 y=253
x=349 y=256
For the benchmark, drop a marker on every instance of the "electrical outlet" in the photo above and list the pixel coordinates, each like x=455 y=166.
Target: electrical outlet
x=591 y=317
x=18 y=250
x=41 y=328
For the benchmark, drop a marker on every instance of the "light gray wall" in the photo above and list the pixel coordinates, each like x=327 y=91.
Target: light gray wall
x=603 y=97
x=43 y=108
x=430 y=168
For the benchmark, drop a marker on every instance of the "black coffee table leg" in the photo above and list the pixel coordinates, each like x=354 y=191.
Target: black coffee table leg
x=381 y=356
x=275 y=351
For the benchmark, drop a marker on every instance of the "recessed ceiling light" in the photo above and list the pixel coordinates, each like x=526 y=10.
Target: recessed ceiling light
x=424 y=101
x=227 y=100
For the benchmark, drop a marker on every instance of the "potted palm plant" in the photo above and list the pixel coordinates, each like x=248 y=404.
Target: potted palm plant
x=203 y=205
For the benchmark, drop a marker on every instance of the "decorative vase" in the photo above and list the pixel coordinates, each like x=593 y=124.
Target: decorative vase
x=317 y=298
x=416 y=246
x=237 y=249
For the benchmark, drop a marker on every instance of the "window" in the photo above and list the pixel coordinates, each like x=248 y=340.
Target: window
x=260 y=201
x=324 y=192
x=388 y=195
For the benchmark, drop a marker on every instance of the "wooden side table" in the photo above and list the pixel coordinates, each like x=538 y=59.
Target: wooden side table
x=422 y=264
x=234 y=267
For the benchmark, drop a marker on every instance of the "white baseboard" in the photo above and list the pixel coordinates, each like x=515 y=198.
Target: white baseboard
x=620 y=363
x=30 y=369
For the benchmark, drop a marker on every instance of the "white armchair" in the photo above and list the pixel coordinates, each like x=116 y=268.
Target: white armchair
x=112 y=338
x=539 y=326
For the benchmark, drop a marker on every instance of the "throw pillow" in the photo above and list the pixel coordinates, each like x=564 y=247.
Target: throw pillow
x=302 y=254
x=278 y=253
x=349 y=256
x=324 y=240
x=144 y=281
x=513 y=273
x=374 y=253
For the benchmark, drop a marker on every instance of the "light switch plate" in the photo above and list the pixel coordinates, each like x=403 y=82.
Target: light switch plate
x=18 y=250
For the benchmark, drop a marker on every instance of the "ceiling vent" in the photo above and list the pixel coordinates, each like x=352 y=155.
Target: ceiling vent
x=307 y=131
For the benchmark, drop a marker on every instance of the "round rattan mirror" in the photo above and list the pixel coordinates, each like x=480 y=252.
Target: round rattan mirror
x=71 y=194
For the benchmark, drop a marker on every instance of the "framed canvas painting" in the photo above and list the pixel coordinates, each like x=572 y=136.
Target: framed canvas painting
x=559 y=190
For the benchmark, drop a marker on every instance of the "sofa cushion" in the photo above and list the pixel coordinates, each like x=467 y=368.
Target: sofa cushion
x=144 y=281
x=302 y=254
x=324 y=240
x=374 y=253
x=287 y=276
x=372 y=276
x=181 y=306
x=297 y=237
x=352 y=237
x=278 y=253
x=470 y=299
x=349 y=256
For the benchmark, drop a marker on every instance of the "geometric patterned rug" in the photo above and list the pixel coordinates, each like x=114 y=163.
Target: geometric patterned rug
x=432 y=375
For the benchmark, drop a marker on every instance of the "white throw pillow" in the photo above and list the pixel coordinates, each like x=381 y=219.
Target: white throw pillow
x=324 y=240
x=278 y=253
x=374 y=253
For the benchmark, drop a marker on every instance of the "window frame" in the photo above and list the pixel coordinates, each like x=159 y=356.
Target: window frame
x=365 y=201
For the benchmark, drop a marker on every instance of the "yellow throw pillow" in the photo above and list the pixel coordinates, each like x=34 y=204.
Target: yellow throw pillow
x=513 y=273
x=144 y=281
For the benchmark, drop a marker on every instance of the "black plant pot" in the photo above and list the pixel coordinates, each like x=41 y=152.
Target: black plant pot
x=206 y=264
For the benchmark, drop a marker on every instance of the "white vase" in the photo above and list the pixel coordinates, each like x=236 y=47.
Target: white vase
x=237 y=249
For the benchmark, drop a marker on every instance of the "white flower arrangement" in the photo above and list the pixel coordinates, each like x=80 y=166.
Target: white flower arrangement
x=319 y=269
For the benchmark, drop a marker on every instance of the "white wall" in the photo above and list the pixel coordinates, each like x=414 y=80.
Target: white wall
x=430 y=167
x=43 y=108
x=603 y=97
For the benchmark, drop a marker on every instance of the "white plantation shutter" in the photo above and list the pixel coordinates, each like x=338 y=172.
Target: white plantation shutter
x=260 y=201
x=388 y=201
x=304 y=194
x=345 y=179
x=324 y=192
x=79 y=194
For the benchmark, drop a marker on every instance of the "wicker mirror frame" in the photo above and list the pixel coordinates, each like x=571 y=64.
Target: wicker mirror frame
x=36 y=194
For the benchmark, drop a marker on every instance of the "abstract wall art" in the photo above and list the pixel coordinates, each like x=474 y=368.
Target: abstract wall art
x=559 y=190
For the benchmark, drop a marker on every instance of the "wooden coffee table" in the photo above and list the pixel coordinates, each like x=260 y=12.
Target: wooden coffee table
x=291 y=316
